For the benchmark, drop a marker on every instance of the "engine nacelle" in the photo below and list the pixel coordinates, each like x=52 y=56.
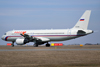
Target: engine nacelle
x=21 y=41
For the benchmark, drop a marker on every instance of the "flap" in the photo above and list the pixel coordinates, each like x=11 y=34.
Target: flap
x=43 y=39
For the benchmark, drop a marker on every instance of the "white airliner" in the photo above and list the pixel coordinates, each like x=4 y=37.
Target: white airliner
x=40 y=37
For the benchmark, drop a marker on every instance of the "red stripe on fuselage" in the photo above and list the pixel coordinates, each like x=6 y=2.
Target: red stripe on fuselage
x=44 y=36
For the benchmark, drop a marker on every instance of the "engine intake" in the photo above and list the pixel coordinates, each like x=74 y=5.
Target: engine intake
x=21 y=41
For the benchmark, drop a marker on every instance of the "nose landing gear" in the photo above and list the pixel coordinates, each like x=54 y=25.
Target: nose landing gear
x=12 y=44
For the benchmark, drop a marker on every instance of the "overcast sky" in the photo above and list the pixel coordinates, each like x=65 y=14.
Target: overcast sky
x=47 y=14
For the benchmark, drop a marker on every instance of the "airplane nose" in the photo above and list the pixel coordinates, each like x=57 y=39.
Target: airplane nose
x=2 y=37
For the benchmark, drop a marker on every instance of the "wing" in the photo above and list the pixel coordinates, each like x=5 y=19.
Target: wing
x=37 y=40
x=30 y=38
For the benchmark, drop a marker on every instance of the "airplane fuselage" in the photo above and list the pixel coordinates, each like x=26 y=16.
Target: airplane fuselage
x=53 y=34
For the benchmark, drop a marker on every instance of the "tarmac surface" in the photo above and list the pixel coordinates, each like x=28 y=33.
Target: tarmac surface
x=45 y=49
x=64 y=56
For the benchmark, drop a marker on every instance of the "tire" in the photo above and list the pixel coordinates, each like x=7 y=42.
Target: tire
x=47 y=45
x=35 y=45
x=12 y=45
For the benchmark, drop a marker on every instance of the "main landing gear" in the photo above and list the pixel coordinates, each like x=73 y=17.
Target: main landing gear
x=47 y=45
x=35 y=45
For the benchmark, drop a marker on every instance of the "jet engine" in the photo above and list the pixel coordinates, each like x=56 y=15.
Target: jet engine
x=21 y=41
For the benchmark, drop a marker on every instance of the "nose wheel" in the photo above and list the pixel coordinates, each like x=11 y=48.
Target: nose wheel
x=12 y=44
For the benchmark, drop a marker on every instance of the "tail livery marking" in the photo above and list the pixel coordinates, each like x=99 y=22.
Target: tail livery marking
x=81 y=19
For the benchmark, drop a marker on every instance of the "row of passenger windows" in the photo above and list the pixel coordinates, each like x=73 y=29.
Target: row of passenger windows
x=48 y=33
x=36 y=33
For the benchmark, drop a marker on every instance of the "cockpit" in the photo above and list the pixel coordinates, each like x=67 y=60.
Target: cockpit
x=8 y=33
x=4 y=33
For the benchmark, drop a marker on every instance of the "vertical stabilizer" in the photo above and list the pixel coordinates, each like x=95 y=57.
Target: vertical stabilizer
x=84 y=20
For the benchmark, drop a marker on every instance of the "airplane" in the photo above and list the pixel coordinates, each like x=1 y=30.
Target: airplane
x=40 y=37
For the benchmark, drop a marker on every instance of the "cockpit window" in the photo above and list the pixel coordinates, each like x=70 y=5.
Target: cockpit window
x=5 y=34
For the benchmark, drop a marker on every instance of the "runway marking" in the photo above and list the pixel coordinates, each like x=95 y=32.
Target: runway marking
x=45 y=49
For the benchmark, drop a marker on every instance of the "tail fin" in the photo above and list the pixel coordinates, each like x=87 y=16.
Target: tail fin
x=84 y=20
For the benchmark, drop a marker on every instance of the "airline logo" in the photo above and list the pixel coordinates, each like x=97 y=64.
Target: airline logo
x=81 y=19
x=23 y=32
